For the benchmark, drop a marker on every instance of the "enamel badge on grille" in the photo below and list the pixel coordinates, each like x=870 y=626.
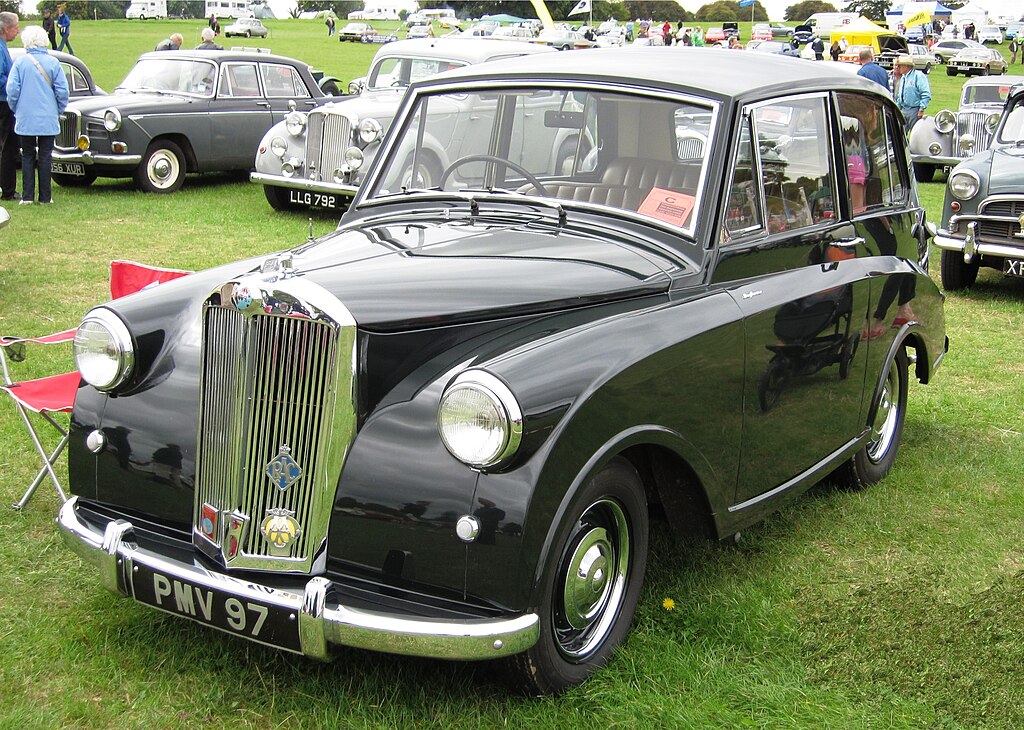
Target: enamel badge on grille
x=283 y=470
x=280 y=528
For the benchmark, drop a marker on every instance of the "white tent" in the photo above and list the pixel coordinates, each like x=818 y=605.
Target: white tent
x=970 y=13
x=1002 y=9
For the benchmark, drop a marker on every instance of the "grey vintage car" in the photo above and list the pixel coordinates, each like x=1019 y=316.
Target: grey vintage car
x=943 y=140
x=80 y=81
x=316 y=159
x=983 y=215
x=188 y=111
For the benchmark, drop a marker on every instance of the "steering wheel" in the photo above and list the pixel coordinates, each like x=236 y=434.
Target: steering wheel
x=498 y=160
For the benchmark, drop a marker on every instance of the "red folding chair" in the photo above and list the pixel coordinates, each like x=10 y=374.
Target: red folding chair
x=56 y=393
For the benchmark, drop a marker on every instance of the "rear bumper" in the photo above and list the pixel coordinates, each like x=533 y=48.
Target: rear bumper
x=321 y=622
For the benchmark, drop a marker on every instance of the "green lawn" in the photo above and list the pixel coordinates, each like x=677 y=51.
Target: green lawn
x=902 y=606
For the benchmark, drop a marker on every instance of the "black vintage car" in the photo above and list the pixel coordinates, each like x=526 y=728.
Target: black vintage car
x=443 y=429
x=174 y=113
x=80 y=81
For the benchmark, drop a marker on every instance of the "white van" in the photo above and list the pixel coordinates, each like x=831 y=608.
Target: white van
x=143 y=9
x=827 y=22
x=228 y=8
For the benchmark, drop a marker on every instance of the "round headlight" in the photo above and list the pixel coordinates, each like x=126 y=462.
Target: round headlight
x=945 y=121
x=340 y=175
x=279 y=146
x=479 y=420
x=934 y=148
x=112 y=120
x=992 y=121
x=354 y=158
x=295 y=123
x=369 y=131
x=104 y=353
x=964 y=184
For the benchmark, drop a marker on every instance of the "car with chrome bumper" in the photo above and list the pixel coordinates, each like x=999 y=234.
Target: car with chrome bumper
x=181 y=112
x=947 y=138
x=983 y=214
x=977 y=62
x=316 y=159
x=444 y=429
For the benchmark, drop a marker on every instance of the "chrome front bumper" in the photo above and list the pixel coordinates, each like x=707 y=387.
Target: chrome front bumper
x=91 y=158
x=320 y=622
x=298 y=183
x=938 y=160
x=971 y=247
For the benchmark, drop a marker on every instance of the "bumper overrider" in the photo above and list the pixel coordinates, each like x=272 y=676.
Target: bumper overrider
x=305 y=622
x=965 y=237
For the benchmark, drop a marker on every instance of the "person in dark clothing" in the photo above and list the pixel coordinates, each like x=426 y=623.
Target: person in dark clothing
x=10 y=145
x=51 y=29
x=818 y=46
x=170 y=44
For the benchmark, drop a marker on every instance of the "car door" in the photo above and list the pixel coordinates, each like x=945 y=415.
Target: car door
x=239 y=116
x=283 y=84
x=790 y=261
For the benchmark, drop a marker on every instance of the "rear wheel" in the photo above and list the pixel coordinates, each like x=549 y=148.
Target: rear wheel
x=875 y=459
x=593 y=583
x=278 y=198
x=73 y=181
x=955 y=273
x=162 y=169
x=950 y=71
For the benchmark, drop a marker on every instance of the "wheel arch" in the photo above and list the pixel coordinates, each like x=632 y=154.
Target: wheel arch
x=183 y=142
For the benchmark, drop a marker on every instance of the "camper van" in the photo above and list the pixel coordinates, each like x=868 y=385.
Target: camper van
x=827 y=22
x=144 y=9
x=228 y=8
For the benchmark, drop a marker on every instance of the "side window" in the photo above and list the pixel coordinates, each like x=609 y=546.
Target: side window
x=743 y=214
x=282 y=81
x=872 y=167
x=796 y=170
x=239 y=79
x=76 y=81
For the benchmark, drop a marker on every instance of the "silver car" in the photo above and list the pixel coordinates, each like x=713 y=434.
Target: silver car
x=246 y=28
x=317 y=159
x=947 y=138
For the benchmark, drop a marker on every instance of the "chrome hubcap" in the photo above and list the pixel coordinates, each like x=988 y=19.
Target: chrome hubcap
x=163 y=169
x=884 y=427
x=586 y=585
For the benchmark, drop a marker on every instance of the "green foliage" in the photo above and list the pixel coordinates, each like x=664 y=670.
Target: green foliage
x=93 y=9
x=11 y=6
x=729 y=11
x=803 y=10
x=872 y=9
x=340 y=9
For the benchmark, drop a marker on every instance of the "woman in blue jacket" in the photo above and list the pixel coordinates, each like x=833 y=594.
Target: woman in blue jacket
x=37 y=92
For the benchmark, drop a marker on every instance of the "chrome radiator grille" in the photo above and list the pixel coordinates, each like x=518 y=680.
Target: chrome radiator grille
x=327 y=138
x=70 y=125
x=1002 y=230
x=972 y=123
x=275 y=390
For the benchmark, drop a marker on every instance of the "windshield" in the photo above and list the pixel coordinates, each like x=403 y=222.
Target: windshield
x=1012 y=130
x=985 y=94
x=638 y=154
x=180 y=76
x=392 y=73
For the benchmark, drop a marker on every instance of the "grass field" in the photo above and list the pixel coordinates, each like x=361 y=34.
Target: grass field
x=902 y=606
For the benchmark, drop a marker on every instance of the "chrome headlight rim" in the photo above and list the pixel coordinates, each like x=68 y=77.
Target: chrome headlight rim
x=279 y=147
x=370 y=130
x=119 y=348
x=992 y=121
x=354 y=158
x=295 y=123
x=945 y=121
x=112 y=119
x=500 y=398
x=964 y=184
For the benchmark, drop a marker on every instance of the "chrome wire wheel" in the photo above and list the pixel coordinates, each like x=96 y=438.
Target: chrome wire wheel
x=593 y=577
x=884 y=428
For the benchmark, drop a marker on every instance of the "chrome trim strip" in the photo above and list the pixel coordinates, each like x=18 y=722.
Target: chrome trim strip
x=947 y=242
x=298 y=183
x=91 y=158
x=320 y=622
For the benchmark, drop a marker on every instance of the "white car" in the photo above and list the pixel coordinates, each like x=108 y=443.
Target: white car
x=990 y=34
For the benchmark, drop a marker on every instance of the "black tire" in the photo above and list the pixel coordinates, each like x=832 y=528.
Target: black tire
x=162 y=169
x=927 y=68
x=950 y=71
x=248 y=34
x=873 y=462
x=278 y=198
x=983 y=72
x=771 y=382
x=592 y=583
x=924 y=172
x=955 y=273
x=73 y=181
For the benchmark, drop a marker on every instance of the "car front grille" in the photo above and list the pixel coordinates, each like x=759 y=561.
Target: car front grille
x=70 y=128
x=972 y=123
x=327 y=137
x=1006 y=230
x=276 y=420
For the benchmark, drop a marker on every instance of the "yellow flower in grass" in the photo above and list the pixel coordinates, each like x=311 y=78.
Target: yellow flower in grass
x=668 y=604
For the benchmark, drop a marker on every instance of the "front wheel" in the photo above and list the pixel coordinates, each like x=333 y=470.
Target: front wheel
x=278 y=198
x=248 y=34
x=875 y=459
x=162 y=169
x=950 y=71
x=927 y=68
x=924 y=172
x=955 y=273
x=592 y=583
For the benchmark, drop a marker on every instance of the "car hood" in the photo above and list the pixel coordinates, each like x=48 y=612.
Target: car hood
x=381 y=104
x=128 y=103
x=893 y=44
x=394 y=277
x=1006 y=166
